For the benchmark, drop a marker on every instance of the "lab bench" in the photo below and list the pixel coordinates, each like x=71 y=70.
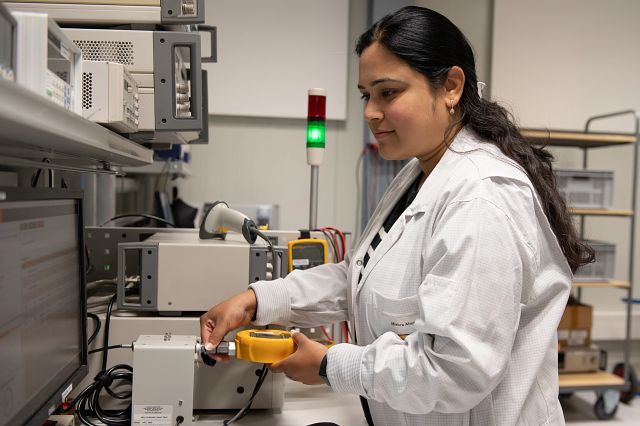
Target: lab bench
x=303 y=405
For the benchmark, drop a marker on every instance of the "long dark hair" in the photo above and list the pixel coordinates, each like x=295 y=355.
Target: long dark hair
x=431 y=44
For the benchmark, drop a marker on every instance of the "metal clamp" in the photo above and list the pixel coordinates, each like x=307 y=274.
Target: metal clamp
x=213 y=32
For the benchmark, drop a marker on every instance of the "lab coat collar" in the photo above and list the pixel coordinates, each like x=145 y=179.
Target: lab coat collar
x=464 y=141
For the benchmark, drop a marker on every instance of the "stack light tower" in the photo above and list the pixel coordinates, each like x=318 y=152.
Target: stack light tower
x=316 y=132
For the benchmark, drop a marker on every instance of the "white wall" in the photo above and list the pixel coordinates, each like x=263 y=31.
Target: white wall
x=380 y=8
x=261 y=160
x=558 y=62
x=270 y=57
x=474 y=18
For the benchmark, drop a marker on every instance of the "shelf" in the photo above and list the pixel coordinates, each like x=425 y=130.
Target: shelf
x=588 y=381
x=179 y=168
x=601 y=212
x=602 y=284
x=576 y=139
x=34 y=127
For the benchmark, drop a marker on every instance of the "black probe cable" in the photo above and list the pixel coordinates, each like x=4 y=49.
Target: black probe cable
x=264 y=237
x=109 y=348
x=105 y=337
x=328 y=237
x=245 y=408
x=96 y=330
x=147 y=216
x=269 y=244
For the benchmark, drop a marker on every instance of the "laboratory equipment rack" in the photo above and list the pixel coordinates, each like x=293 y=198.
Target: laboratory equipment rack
x=34 y=128
x=606 y=385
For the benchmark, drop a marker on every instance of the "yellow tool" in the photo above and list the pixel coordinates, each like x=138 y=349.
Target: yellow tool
x=262 y=346
x=306 y=253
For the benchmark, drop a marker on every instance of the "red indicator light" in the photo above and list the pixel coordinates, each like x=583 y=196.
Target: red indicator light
x=317 y=107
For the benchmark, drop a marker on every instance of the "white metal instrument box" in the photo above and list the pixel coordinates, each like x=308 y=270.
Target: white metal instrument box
x=110 y=96
x=113 y=12
x=224 y=386
x=177 y=272
x=48 y=62
x=164 y=64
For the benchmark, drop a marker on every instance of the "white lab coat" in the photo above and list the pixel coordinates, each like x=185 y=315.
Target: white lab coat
x=473 y=278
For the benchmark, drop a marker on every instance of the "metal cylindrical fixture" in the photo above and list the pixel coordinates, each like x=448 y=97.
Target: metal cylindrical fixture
x=313 y=202
x=105 y=198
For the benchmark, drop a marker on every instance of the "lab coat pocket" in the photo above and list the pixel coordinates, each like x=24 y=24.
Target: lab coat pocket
x=395 y=315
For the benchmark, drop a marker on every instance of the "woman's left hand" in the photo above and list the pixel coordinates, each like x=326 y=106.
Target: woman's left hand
x=304 y=364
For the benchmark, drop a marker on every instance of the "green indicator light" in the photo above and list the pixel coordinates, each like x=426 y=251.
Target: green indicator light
x=315 y=134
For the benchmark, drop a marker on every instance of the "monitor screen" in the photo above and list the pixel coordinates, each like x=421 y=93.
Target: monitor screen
x=42 y=301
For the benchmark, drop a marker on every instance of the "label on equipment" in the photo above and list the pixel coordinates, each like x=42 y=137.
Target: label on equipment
x=300 y=262
x=66 y=392
x=156 y=415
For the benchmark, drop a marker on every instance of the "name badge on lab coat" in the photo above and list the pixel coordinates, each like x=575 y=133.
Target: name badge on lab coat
x=395 y=315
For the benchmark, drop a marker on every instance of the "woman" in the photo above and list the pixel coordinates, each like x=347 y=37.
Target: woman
x=458 y=283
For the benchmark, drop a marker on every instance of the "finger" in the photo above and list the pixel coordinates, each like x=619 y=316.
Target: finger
x=277 y=367
x=220 y=357
x=298 y=338
x=216 y=336
x=206 y=325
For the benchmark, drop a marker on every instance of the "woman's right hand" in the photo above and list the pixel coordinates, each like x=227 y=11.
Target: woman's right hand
x=225 y=317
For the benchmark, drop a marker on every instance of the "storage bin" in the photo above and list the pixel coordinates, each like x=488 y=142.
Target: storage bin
x=586 y=188
x=603 y=267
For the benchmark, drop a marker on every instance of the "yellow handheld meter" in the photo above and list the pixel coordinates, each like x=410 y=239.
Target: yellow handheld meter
x=307 y=253
x=264 y=346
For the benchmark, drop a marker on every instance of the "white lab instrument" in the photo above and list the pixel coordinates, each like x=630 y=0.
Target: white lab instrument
x=110 y=96
x=163 y=379
x=177 y=272
x=78 y=12
x=164 y=371
x=48 y=62
x=166 y=67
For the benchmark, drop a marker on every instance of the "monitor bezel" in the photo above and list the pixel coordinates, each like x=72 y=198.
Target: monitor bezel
x=39 y=408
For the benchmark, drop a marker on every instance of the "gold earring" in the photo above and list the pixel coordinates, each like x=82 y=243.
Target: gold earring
x=451 y=110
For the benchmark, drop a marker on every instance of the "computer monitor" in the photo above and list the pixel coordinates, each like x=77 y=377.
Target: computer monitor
x=43 y=339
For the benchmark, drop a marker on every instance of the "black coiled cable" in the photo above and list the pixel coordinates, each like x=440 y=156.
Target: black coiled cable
x=88 y=402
